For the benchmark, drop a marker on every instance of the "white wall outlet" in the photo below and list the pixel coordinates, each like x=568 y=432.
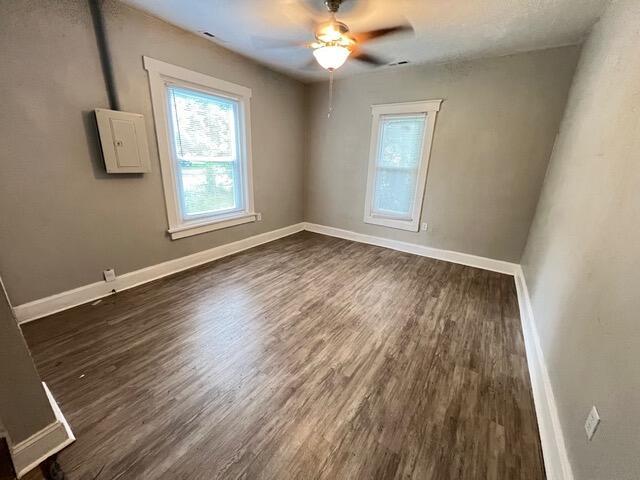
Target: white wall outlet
x=424 y=226
x=258 y=217
x=109 y=275
x=592 y=422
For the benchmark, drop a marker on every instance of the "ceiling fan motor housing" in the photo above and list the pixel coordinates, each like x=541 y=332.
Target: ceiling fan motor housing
x=333 y=5
x=332 y=31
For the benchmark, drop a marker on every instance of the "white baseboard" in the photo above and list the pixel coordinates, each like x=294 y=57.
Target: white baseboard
x=555 y=456
x=87 y=293
x=29 y=453
x=424 y=251
x=556 y=460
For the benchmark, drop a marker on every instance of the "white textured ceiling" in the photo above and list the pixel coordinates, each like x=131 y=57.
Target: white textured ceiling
x=444 y=29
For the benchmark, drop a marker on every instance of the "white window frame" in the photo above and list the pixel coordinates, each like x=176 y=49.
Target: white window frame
x=160 y=75
x=428 y=107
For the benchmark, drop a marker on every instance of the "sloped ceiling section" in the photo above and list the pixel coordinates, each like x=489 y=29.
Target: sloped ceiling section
x=445 y=30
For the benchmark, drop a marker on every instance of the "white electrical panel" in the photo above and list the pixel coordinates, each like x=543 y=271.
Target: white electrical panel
x=124 y=141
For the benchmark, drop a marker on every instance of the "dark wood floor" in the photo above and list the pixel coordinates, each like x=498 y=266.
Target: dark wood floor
x=309 y=357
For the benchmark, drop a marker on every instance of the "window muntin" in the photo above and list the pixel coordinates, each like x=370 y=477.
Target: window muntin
x=206 y=174
x=401 y=136
x=207 y=152
x=400 y=139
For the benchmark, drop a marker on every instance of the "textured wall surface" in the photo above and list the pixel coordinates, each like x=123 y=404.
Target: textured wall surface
x=582 y=260
x=492 y=142
x=62 y=219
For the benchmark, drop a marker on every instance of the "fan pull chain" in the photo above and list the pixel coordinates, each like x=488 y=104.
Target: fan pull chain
x=330 y=93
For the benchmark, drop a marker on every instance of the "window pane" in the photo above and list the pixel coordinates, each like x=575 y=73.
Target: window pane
x=400 y=143
x=206 y=151
x=208 y=187
x=204 y=125
x=398 y=159
x=394 y=192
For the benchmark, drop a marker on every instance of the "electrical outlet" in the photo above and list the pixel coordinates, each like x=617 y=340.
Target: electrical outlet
x=592 y=422
x=424 y=227
x=109 y=275
x=258 y=217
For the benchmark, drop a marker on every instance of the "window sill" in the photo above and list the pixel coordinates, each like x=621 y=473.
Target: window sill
x=410 y=225
x=189 y=229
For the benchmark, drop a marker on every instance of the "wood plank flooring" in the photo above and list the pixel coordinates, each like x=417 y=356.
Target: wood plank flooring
x=308 y=357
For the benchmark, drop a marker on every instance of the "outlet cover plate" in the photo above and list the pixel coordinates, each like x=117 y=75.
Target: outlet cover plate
x=592 y=422
x=109 y=275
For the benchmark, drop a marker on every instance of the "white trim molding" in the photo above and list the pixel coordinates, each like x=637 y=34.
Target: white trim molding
x=447 y=255
x=428 y=111
x=197 y=78
x=87 y=293
x=162 y=75
x=94 y=291
x=555 y=455
x=29 y=453
x=407 y=107
x=556 y=460
x=209 y=226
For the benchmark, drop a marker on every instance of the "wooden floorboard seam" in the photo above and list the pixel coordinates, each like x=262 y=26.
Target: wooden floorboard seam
x=307 y=357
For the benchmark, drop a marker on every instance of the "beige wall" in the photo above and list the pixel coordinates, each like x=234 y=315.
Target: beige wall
x=582 y=260
x=62 y=219
x=24 y=407
x=492 y=142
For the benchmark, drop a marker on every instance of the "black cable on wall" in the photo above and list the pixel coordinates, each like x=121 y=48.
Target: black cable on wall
x=105 y=56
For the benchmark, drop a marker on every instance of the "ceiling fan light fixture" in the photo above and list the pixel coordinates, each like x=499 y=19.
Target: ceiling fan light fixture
x=331 y=57
x=331 y=31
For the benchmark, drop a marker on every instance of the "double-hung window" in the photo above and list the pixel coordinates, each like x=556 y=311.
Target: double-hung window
x=204 y=144
x=401 y=136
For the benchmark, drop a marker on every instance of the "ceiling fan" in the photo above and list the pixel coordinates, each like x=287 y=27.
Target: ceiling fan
x=334 y=43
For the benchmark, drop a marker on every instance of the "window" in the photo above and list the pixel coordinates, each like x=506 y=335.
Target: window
x=204 y=144
x=401 y=135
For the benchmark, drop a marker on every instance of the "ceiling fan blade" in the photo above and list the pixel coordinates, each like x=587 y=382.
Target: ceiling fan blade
x=369 y=59
x=266 y=43
x=363 y=37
